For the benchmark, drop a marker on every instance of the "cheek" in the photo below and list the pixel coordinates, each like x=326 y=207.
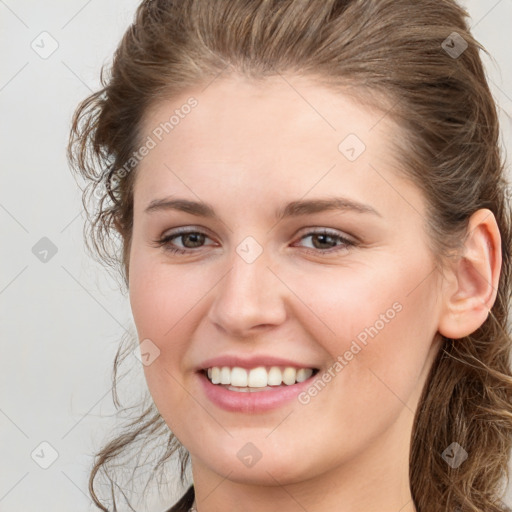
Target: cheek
x=161 y=296
x=167 y=303
x=159 y=311
x=378 y=324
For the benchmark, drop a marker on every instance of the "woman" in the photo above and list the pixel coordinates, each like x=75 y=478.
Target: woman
x=316 y=242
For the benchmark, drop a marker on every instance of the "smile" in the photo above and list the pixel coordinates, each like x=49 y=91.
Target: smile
x=254 y=390
x=260 y=378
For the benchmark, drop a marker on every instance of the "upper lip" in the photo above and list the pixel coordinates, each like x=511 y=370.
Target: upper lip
x=251 y=362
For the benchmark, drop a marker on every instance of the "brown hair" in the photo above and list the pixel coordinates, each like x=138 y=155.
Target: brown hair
x=394 y=53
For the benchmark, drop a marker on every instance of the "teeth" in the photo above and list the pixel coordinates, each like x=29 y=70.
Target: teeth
x=225 y=375
x=215 y=377
x=302 y=375
x=259 y=377
x=289 y=375
x=238 y=377
x=275 y=376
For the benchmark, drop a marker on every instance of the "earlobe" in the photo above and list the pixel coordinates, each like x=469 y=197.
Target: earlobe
x=471 y=292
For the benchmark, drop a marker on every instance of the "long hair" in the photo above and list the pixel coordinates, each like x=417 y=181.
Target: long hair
x=419 y=64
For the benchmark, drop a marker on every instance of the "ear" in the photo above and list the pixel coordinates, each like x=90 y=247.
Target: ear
x=472 y=283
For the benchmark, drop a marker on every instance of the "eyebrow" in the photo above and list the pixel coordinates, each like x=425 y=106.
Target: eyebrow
x=292 y=209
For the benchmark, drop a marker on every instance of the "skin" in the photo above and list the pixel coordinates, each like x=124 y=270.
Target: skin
x=247 y=149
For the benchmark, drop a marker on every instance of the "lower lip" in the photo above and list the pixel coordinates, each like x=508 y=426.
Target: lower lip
x=252 y=401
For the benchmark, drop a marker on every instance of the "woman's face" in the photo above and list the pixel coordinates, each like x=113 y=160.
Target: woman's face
x=272 y=278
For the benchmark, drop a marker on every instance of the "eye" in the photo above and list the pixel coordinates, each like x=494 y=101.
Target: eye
x=327 y=242
x=190 y=240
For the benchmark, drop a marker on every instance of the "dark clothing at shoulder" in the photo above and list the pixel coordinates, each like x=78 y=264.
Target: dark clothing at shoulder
x=184 y=504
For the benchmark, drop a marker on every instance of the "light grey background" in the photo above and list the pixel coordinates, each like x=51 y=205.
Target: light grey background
x=61 y=320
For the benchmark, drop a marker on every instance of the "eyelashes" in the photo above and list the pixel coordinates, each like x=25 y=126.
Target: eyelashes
x=166 y=241
x=322 y=236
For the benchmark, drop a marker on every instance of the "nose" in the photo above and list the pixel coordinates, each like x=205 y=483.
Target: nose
x=248 y=298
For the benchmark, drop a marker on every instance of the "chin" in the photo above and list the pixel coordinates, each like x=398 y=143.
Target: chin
x=276 y=468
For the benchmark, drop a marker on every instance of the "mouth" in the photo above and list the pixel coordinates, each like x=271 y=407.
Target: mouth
x=257 y=379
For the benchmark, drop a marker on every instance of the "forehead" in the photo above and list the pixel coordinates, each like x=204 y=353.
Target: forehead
x=281 y=133
x=242 y=111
